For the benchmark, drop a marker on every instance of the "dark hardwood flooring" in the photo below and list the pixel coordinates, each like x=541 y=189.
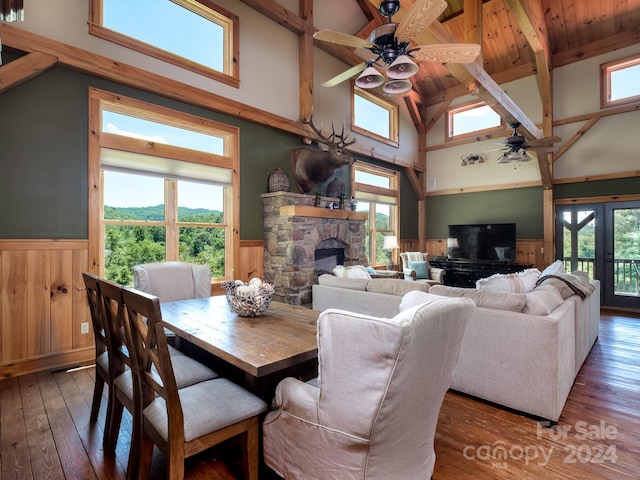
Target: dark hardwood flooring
x=45 y=432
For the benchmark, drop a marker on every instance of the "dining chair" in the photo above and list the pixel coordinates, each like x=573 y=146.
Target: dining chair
x=186 y=421
x=380 y=386
x=123 y=393
x=100 y=339
x=171 y=281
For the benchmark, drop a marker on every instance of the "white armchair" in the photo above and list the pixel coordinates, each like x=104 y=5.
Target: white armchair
x=171 y=281
x=374 y=411
x=435 y=275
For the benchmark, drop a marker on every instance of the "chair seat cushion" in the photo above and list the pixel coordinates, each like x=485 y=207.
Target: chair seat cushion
x=207 y=407
x=189 y=371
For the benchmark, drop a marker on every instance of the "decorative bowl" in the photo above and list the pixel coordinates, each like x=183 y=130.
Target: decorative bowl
x=249 y=299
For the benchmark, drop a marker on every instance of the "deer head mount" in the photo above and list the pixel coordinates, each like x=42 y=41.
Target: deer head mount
x=311 y=166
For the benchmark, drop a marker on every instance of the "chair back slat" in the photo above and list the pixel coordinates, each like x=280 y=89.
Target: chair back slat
x=113 y=317
x=153 y=362
x=95 y=298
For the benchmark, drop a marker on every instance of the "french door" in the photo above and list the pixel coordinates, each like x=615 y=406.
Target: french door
x=603 y=239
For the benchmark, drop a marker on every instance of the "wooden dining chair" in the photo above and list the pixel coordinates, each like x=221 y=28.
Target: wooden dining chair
x=123 y=392
x=100 y=340
x=184 y=422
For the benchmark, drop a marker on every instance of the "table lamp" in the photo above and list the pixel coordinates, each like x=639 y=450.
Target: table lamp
x=390 y=244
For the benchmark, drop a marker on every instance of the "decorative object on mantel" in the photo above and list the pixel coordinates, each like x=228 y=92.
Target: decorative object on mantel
x=318 y=199
x=335 y=188
x=249 y=299
x=311 y=166
x=279 y=181
x=390 y=244
x=354 y=204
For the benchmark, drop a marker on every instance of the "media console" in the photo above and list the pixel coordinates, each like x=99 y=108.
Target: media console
x=465 y=273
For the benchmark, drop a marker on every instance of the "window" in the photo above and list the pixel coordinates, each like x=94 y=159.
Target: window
x=619 y=82
x=377 y=192
x=193 y=34
x=165 y=185
x=374 y=116
x=472 y=119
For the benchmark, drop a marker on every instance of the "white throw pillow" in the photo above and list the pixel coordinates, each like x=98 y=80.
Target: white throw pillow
x=521 y=282
x=357 y=271
x=338 y=271
x=556 y=268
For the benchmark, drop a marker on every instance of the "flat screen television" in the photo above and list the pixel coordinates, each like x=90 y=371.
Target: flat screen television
x=486 y=242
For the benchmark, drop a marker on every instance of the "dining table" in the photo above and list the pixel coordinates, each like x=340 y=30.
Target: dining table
x=259 y=350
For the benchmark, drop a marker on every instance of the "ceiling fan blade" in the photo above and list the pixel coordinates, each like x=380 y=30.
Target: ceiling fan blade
x=448 y=52
x=543 y=142
x=366 y=54
x=418 y=17
x=345 y=75
x=541 y=149
x=342 y=39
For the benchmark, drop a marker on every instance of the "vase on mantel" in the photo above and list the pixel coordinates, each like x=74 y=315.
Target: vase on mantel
x=279 y=181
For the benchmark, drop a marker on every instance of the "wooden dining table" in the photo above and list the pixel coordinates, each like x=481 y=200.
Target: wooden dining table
x=282 y=342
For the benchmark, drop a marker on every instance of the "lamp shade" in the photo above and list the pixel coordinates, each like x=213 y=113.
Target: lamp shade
x=402 y=67
x=390 y=242
x=370 y=78
x=504 y=158
x=452 y=243
x=397 y=86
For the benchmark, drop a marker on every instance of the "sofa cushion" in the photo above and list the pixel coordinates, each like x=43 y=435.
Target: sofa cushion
x=543 y=300
x=421 y=269
x=342 y=282
x=395 y=286
x=521 y=282
x=512 y=302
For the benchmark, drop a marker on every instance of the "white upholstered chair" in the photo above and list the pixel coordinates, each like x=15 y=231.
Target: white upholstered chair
x=171 y=281
x=415 y=260
x=374 y=411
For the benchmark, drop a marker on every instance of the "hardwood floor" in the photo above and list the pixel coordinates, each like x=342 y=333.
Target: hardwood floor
x=45 y=430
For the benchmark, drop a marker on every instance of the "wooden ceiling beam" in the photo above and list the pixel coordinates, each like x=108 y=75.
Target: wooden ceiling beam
x=25 y=68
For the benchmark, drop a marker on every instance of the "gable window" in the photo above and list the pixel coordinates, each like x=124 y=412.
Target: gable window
x=193 y=34
x=165 y=186
x=472 y=119
x=619 y=82
x=377 y=192
x=374 y=116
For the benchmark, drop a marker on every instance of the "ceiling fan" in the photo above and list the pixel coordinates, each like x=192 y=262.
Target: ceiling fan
x=389 y=47
x=516 y=145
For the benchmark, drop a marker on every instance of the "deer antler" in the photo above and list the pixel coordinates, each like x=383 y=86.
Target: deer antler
x=341 y=143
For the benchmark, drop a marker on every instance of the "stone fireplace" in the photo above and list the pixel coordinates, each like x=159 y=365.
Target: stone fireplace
x=294 y=229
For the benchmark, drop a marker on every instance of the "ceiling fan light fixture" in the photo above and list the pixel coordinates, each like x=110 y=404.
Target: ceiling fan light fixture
x=370 y=78
x=504 y=158
x=393 y=87
x=402 y=67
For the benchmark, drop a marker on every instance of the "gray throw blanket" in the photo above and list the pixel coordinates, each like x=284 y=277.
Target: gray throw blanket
x=578 y=286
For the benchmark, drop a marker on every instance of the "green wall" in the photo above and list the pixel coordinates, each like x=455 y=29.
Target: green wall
x=621 y=186
x=43 y=154
x=522 y=206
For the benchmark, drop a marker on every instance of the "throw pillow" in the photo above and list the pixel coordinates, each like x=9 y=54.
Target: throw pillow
x=338 y=271
x=543 y=300
x=555 y=268
x=521 y=282
x=357 y=271
x=421 y=269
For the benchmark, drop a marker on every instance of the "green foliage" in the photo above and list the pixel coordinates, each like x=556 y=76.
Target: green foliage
x=126 y=245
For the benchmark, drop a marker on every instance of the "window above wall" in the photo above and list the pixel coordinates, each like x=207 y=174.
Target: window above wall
x=193 y=34
x=472 y=119
x=374 y=116
x=619 y=82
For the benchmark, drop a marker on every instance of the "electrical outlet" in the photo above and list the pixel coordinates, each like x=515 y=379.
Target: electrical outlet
x=84 y=327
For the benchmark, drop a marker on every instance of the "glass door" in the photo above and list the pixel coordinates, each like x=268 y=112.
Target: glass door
x=622 y=255
x=603 y=240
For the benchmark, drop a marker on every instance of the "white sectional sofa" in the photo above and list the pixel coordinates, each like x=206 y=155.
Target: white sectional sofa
x=520 y=350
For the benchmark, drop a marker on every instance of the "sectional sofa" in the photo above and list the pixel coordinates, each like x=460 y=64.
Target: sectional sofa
x=520 y=350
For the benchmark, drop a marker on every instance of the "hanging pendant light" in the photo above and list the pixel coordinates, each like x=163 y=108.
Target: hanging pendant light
x=393 y=87
x=402 y=67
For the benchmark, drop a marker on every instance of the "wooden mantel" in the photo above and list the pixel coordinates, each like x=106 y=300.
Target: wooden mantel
x=318 y=212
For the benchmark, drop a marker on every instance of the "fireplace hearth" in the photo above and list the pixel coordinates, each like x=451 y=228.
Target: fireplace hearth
x=294 y=229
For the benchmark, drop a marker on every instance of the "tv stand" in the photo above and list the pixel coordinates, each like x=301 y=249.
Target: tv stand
x=465 y=273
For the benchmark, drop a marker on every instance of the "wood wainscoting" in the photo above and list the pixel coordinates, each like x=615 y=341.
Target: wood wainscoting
x=43 y=306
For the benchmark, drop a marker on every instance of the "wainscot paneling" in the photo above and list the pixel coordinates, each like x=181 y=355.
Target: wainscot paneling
x=43 y=305
x=251 y=260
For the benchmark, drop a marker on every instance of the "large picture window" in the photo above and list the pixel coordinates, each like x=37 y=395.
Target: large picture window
x=377 y=192
x=166 y=187
x=619 y=82
x=193 y=34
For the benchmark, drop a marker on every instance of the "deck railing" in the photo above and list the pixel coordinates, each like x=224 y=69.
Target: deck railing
x=626 y=273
